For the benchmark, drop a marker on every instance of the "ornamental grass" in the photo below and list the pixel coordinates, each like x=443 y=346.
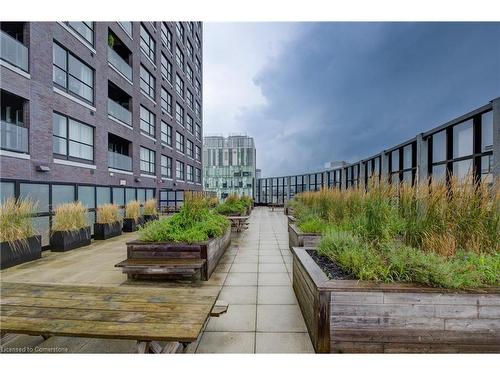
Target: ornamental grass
x=107 y=214
x=16 y=219
x=69 y=216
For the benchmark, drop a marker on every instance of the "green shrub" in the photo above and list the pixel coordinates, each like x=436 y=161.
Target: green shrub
x=312 y=224
x=233 y=205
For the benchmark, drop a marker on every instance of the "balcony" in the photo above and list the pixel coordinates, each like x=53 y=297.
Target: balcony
x=13 y=51
x=119 y=161
x=13 y=137
x=121 y=65
x=119 y=112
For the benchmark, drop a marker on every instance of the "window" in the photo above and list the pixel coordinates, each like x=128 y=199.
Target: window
x=179 y=29
x=402 y=164
x=166 y=166
x=198 y=110
x=197 y=88
x=148 y=119
x=84 y=29
x=179 y=114
x=190 y=174
x=127 y=26
x=191 y=27
x=189 y=49
x=147 y=160
x=352 y=175
x=148 y=44
x=198 y=66
x=166 y=36
x=190 y=99
x=179 y=142
x=197 y=42
x=190 y=124
x=179 y=170
x=190 y=148
x=198 y=176
x=166 y=134
x=166 y=68
x=166 y=101
x=462 y=139
x=179 y=86
x=189 y=73
x=198 y=131
x=198 y=153
x=72 y=75
x=148 y=83
x=71 y=138
x=179 y=57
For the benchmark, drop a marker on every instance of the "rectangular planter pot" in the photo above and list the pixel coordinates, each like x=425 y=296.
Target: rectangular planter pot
x=103 y=231
x=69 y=240
x=130 y=225
x=148 y=218
x=297 y=238
x=211 y=250
x=21 y=251
x=351 y=316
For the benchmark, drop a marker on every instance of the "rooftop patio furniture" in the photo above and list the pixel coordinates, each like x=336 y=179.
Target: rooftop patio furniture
x=238 y=222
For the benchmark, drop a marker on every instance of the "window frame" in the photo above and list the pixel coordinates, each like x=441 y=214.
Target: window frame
x=148 y=161
x=148 y=48
x=151 y=88
x=151 y=127
x=68 y=140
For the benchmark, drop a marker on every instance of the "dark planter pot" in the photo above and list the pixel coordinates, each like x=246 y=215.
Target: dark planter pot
x=21 y=251
x=148 y=218
x=103 y=231
x=352 y=316
x=130 y=225
x=69 y=240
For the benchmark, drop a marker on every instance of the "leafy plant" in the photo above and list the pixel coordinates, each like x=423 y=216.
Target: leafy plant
x=16 y=220
x=107 y=214
x=234 y=205
x=150 y=207
x=133 y=210
x=69 y=216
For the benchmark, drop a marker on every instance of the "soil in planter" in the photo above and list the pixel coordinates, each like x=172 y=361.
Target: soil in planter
x=330 y=268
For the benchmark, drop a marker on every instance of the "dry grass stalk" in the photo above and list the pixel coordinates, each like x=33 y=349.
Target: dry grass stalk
x=150 y=207
x=16 y=223
x=107 y=214
x=133 y=210
x=69 y=216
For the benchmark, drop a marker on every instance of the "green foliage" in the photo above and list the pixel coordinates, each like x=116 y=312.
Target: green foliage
x=195 y=222
x=234 y=205
x=312 y=224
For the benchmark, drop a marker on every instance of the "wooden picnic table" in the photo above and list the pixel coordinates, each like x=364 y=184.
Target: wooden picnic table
x=238 y=222
x=176 y=315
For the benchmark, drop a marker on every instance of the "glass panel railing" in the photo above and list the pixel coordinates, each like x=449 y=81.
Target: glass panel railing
x=13 y=51
x=121 y=65
x=118 y=112
x=13 y=137
x=119 y=161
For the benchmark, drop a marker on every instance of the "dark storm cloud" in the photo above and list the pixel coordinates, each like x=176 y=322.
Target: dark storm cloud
x=345 y=91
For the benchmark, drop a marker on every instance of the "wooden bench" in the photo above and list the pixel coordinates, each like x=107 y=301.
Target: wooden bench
x=175 y=315
x=238 y=222
x=162 y=266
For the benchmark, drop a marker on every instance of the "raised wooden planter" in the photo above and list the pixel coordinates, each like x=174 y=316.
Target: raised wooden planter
x=291 y=220
x=297 y=238
x=211 y=251
x=69 y=240
x=103 y=231
x=349 y=316
x=20 y=251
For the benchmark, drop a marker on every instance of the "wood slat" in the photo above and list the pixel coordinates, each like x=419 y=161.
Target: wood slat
x=162 y=262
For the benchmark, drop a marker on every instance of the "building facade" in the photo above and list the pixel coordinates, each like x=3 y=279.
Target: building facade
x=100 y=112
x=466 y=145
x=229 y=165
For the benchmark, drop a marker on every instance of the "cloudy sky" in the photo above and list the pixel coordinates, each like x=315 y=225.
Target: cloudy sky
x=313 y=92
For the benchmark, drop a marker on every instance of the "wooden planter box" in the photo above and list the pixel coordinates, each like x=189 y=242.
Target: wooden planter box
x=297 y=238
x=21 y=251
x=350 y=316
x=69 y=240
x=103 y=231
x=291 y=220
x=131 y=225
x=148 y=218
x=211 y=251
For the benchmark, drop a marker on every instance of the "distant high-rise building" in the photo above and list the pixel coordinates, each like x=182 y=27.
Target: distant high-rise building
x=229 y=165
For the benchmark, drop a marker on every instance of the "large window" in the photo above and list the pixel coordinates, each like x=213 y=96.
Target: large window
x=335 y=178
x=315 y=181
x=166 y=134
x=179 y=170
x=190 y=124
x=189 y=73
x=179 y=86
x=166 y=101
x=198 y=176
x=198 y=131
x=84 y=29
x=147 y=160
x=166 y=36
x=179 y=57
x=372 y=171
x=198 y=110
x=352 y=174
x=179 y=114
x=198 y=66
x=179 y=142
x=402 y=164
x=179 y=29
x=197 y=88
x=190 y=148
x=147 y=83
x=189 y=49
x=166 y=166
x=148 y=120
x=198 y=153
x=166 y=68
x=148 y=45
x=72 y=75
x=190 y=173
x=189 y=98
x=71 y=138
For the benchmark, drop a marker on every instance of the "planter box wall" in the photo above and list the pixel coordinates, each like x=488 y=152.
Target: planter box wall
x=69 y=240
x=103 y=231
x=349 y=316
x=297 y=238
x=291 y=220
x=20 y=251
x=130 y=225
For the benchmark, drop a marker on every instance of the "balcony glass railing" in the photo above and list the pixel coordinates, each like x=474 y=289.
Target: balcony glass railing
x=120 y=64
x=13 y=51
x=119 y=161
x=118 y=112
x=13 y=137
